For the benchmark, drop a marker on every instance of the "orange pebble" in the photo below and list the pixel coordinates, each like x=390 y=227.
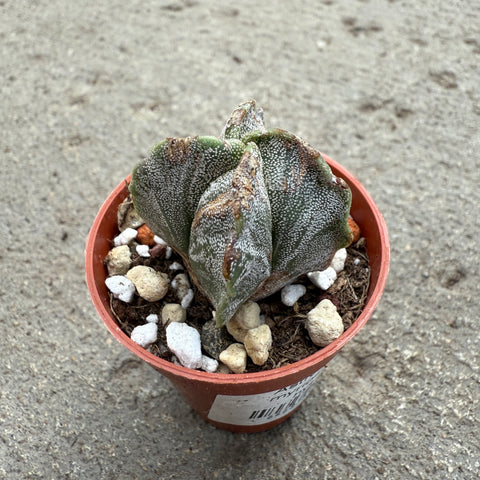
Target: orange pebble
x=355 y=229
x=145 y=235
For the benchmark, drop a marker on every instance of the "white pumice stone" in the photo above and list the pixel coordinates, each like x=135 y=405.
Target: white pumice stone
x=150 y=284
x=291 y=293
x=324 y=324
x=184 y=342
x=338 y=260
x=153 y=317
x=159 y=241
x=258 y=342
x=173 y=312
x=209 y=364
x=143 y=250
x=118 y=260
x=145 y=335
x=125 y=237
x=188 y=299
x=121 y=288
x=235 y=357
x=323 y=279
x=176 y=266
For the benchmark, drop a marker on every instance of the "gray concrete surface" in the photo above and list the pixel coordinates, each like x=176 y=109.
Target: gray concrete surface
x=388 y=88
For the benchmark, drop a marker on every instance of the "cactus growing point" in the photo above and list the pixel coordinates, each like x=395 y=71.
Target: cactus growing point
x=248 y=212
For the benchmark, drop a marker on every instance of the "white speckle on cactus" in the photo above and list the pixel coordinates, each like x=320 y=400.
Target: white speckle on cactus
x=125 y=237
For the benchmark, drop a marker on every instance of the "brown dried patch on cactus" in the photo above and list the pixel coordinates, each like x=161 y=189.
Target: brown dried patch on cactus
x=231 y=255
x=177 y=150
x=239 y=198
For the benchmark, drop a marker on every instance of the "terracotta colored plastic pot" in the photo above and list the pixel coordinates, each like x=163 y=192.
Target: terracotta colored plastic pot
x=243 y=402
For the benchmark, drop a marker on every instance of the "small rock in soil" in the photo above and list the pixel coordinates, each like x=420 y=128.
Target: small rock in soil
x=235 y=357
x=118 y=260
x=222 y=368
x=159 y=241
x=188 y=299
x=181 y=285
x=153 y=317
x=246 y=317
x=143 y=251
x=176 y=266
x=209 y=364
x=338 y=260
x=173 y=312
x=258 y=342
x=184 y=342
x=150 y=284
x=145 y=335
x=158 y=251
x=355 y=229
x=121 y=287
x=125 y=237
x=324 y=324
x=145 y=236
x=323 y=279
x=215 y=339
x=291 y=293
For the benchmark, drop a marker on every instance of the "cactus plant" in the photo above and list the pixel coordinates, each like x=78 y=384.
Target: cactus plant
x=248 y=212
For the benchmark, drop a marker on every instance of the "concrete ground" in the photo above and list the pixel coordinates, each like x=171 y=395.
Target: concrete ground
x=388 y=88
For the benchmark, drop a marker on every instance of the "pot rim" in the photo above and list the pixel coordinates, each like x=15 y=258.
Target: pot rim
x=318 y=358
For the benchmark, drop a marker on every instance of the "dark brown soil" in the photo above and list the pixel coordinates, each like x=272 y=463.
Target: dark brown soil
x=291 y=342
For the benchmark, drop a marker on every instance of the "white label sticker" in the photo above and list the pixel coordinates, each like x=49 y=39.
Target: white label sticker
x=260 y=408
